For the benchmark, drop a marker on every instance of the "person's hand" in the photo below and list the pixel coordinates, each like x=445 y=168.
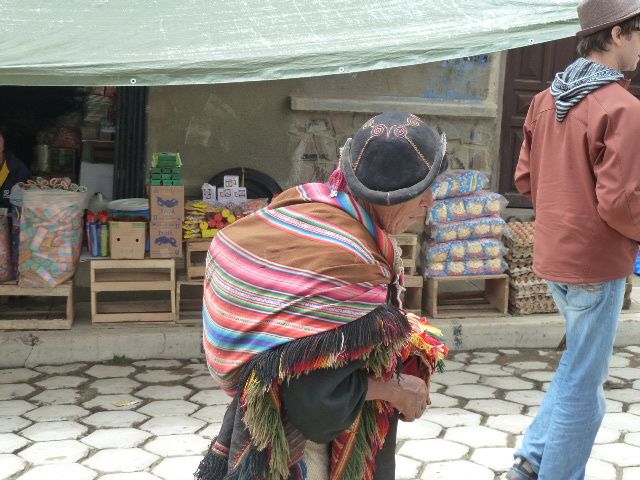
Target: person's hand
x=411 y=398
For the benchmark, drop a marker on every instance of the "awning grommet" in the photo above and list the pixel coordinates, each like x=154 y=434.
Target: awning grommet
x=133 y=81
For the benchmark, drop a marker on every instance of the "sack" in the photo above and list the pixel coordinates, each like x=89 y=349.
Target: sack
x=50 y=237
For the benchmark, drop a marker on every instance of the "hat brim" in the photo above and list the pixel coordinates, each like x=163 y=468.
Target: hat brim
x=388 y=198
x=598 y=28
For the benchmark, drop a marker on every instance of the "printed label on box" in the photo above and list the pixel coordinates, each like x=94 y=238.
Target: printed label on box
x=209 y=194
x=231 y=181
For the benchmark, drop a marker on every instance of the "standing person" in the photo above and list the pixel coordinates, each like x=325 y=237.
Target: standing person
x=12 y=171
x=579 y=164
x=302 y=322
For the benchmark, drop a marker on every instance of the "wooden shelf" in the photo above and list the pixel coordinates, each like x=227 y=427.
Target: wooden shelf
x=37 y=320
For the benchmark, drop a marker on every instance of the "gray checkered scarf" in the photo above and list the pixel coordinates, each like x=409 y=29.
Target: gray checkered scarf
x=577 y=81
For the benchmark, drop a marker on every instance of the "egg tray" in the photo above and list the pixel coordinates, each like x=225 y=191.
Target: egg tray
x=526 y=280
x=528 y=292
x=528 y=306
x=521 y=234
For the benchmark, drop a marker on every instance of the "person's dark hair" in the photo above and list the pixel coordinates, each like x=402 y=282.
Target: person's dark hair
x=600 y=41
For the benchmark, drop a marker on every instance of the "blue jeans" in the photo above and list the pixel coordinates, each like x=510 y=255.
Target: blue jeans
x=559 y=441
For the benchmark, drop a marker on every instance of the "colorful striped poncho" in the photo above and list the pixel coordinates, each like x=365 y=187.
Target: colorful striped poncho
x=299 y=286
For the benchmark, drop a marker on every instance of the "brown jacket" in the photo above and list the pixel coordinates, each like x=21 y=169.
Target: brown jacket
x=583 y=176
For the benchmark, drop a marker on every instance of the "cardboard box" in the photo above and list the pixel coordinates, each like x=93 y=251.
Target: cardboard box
x=166 y=240
x=127 y=240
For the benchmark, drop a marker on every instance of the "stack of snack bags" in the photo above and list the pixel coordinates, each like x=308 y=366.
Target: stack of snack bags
x=527 y=293
x=205 y=220
x=465 y=227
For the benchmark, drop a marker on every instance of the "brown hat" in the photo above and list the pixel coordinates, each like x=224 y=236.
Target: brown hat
x=596 y=15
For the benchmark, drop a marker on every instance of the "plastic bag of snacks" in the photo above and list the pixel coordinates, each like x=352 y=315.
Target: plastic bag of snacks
x=6 y=271
x=50 y=236
x=494 y=266
x=480 y=204
x=481 y=249
x=484 y=227
x=458 y=183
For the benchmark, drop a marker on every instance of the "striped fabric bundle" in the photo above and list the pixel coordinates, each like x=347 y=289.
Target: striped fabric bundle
x=299 y=286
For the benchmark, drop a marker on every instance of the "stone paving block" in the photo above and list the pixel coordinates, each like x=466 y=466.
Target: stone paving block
x=60 y=369
x=484 y=357
x=614 y=406
x=529 y=365
x=211 y=397
x=626 y=395
x=113 y=402
x=435 y=450
x=213 y=414
x=130 y=476
x=196 y=369
x=497 y=459
x=10 y=424
x=451 y=365
x=477 y=437
x=616 y=383
x=114 y=460
x=507 y=383
x=10 y=408
x=168 y=408
x=509 y=352
x=114 y=419
x=406 y=469
x=212 y=431
x=451 y=417
x=607 y=435
x=203 y=382
x=597 y=469
x=494 y=407
x=625 y=373
x=175 y=468
x=10 y=442
x=172 y=425
x=515 y=424
x=460 y=469
x=619 y=454
x=490 y=370
x=178 y=445
x=463 y=357
x=636 y=385
x=619 y=362
x=12 y=391
x=17 y=375
x=160 y=392
x=632 y=439
x=624 y=422
x=61 y=381
x=110 y=371
x=471 y=391
x=417 y=430
x=60 y=451
x=440 y=400
x=531 y=411
x=55 y=413
x=633 y=349
x=635 y=409
x=457 y=378
x=435 y=387
x=10 y=465
x=529 y=398
x=66 y=471
x=631 y=473
x=116 y=438
x=159 y=376
x=159 y=363
x=540 y=376
x=48 y=431
x=114 y=385
x=62 y=396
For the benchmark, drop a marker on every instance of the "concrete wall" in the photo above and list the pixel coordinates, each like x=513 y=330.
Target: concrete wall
x=216 y=127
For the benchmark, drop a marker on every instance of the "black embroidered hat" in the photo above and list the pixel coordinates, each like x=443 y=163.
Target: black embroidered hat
x=393 y=158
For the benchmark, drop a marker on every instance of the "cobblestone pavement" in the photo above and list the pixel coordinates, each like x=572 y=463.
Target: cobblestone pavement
x=153 y=419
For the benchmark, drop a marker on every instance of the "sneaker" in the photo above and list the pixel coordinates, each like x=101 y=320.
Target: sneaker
x=521 y=470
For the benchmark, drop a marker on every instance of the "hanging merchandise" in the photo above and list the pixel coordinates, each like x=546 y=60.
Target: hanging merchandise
x=6 y=270
x=50 y=236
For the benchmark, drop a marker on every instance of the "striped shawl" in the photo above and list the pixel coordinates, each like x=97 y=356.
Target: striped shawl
x=301 y=285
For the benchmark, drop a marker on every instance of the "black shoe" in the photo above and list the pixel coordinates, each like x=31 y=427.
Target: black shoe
x=521 y=470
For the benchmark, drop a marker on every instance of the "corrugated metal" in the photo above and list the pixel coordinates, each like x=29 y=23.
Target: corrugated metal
x=130 y=173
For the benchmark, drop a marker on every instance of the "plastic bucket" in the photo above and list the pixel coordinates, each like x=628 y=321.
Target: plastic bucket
x=131 y=208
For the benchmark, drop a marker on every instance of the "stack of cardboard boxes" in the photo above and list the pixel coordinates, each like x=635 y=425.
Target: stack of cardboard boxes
x=166 y=199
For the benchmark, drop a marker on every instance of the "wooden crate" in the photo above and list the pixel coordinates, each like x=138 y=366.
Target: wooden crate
x=195 y=257
x=189 y=301
x=37 y=319
x=492 y=301
x=412 y=300
x=408 y=243
x=133 y=276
